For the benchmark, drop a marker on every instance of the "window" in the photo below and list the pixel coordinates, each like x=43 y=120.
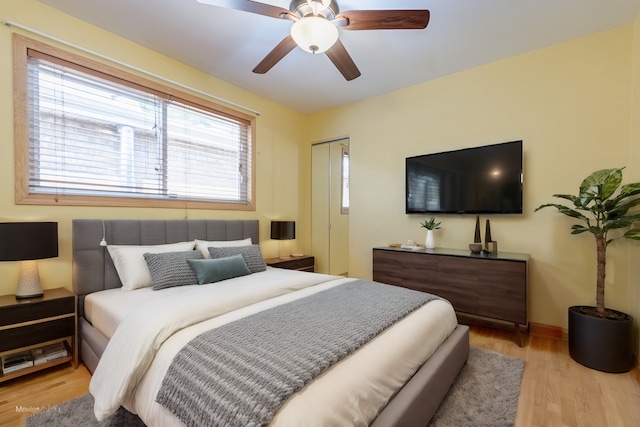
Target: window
x=88 y=134
x=345 y=180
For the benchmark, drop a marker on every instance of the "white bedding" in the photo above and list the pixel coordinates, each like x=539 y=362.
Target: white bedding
x=355 y=389
x=106 y=309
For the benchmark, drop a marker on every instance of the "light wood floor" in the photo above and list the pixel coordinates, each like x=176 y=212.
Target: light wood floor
x=556 y=391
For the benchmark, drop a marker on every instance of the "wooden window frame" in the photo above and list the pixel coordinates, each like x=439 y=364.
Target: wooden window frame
x=21 y=47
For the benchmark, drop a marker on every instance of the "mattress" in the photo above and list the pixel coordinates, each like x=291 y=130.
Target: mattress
x=356 y=388
x=106 y=309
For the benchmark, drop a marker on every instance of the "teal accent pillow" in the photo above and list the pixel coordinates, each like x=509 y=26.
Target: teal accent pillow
x=215 y=270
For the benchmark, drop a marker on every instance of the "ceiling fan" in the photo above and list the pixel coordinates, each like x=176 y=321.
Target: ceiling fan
x=315 y=28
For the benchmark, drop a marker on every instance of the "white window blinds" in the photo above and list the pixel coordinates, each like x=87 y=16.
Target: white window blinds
x=93 y=134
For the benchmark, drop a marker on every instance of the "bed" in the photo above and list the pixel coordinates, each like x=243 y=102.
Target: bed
x=408 y=397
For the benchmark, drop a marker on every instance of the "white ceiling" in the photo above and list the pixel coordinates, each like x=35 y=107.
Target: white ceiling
x=461 y=34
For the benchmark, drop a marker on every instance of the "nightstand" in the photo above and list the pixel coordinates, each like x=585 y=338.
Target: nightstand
x=301 y=263
x=28 y=324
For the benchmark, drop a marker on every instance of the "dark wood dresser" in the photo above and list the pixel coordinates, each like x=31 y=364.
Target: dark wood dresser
x=489 y=289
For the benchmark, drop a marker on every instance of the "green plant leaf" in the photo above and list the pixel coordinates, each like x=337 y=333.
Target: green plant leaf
x=627 y=190
x=633 y=234
x=622 y=209
x=587 y=197
x=610 y=204
x=621 y=222
x=629 y=219
x=430 y=224
x=601 y=184
x=563 y=209
x=597 y=231
x=569 y=197
x=611 y=184
x=577 y=229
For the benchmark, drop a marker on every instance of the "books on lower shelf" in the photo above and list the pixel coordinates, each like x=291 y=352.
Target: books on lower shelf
x=17 y=361
x=49 y=353
x=37 y=356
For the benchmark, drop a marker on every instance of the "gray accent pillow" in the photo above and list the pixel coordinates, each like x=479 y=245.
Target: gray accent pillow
x=170 y=269
x=215 y=270
x=251 y=254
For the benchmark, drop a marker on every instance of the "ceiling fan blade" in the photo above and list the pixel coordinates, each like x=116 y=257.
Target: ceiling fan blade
x=280 y=51
x=385 y=19
x=252 y=7
x=343 y=62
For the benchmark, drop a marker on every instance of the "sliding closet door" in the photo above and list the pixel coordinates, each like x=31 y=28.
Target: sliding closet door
x=338 y=213
x=330 y=206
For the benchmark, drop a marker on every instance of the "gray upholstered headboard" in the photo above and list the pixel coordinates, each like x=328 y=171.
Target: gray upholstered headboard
x=93 y=269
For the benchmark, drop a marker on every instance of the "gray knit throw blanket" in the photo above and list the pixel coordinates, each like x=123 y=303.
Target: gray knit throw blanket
x=241 y=373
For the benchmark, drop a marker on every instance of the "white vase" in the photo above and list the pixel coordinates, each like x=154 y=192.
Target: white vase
x=430 y=243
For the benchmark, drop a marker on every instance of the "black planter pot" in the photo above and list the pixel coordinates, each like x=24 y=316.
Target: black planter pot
x=604 y=344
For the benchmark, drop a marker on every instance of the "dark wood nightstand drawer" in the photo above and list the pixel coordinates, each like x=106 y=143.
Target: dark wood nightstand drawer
x=36 y=333
x=301 y=263
x=33 y=310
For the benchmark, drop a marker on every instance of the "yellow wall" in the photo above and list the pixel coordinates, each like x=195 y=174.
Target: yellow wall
x=633 y=174
x=279 y=131
x=570 y=103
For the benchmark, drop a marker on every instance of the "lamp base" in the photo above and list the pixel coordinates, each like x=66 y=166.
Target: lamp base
x=29 y=281
x=286 y=252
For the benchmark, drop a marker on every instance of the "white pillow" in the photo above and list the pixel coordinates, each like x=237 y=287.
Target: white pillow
x=204 y=245
x=131 y=266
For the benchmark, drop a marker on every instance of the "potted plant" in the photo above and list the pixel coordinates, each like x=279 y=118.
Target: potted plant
x=430 y=225
x=599 y=337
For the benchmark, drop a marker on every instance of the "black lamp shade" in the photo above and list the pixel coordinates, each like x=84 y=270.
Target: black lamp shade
x=283 y=230
x=22 y=241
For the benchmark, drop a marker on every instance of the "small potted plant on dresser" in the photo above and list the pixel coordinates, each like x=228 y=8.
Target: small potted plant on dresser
x=430 y=224
x=602 y=338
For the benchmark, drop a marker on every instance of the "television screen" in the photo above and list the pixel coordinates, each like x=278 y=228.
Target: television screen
x=477 y=180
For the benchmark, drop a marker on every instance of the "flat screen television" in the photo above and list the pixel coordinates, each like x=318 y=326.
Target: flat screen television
x=480 y=180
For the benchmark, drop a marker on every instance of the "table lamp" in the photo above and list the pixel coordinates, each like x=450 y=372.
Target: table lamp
x=283 y=230
x=28 y=242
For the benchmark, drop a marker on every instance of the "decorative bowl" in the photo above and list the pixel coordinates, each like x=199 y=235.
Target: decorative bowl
x=475 y=248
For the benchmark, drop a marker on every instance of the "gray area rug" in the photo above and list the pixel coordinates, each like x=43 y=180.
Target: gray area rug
x=485 y=393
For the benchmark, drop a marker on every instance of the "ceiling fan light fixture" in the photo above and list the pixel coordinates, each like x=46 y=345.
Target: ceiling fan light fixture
x=318 y=6
x=314 y=34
